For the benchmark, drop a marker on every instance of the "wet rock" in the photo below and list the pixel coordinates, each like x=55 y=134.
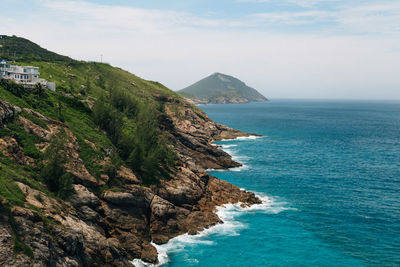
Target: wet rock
x=131 y=243
x=149 y=253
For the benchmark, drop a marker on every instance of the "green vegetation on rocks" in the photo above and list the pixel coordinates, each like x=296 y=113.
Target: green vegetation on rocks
x=94 y=171
x=100 y=104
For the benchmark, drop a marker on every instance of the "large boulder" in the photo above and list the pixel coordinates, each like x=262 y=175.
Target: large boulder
x=185 y=188
x=83 y=197
x=7 y=112
x=149 y=253
x=119 y=198
x=161 y=208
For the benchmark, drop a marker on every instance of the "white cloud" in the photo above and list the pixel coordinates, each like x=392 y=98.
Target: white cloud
x=301 y=3
x=126 y=18
x=371 y=18
x=293 y=18
x=178 y=48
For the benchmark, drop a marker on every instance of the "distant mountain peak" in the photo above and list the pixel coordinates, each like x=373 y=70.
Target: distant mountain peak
x=220 y=88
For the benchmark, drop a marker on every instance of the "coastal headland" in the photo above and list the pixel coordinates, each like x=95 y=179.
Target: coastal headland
x=107 y=206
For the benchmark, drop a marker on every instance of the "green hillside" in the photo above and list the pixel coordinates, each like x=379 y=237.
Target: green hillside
x=16 y=48
x=100 y=104
x=93 y=172
x=221 y=88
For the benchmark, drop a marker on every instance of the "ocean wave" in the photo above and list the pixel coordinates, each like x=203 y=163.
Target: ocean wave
x=234 y=169
x=250 y=137
x=231 y=226
x=226 y=146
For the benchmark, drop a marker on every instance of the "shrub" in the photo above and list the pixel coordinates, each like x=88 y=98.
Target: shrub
x=145 y=149
x=53 y=172
x=12 y=87
x=150 y=154
x=39 y=90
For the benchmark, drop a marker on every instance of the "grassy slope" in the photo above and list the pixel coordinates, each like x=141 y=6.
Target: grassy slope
x=80 y=81
x=77 y=82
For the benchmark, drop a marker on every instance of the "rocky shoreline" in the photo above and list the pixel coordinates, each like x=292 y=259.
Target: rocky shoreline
x=116 y=227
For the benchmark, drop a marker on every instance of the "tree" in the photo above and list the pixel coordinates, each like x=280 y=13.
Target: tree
x=39 y=90
x=54 y=174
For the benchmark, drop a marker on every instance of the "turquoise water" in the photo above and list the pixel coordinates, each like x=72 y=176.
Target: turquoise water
x=329 y=173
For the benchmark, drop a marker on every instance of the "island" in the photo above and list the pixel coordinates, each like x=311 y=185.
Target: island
x=220 y=88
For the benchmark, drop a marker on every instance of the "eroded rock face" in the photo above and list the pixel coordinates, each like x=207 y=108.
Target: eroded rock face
x=9 y=147
x=127 y=175
x=35 y=129
x=7 y=112
x=75 y=164
x=119 y=225
x=119 y=198
x=194 y=133
x=83 y=197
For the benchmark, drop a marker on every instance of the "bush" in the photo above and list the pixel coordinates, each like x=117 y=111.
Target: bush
x=123 y=102
x=39 y=90
x=145 y=149
x=54 y=173
x=26 y=140
x=12 y=87
x=150 y=154
x=109 y=119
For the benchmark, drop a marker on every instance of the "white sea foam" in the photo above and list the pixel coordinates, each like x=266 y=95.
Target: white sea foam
x=226 y=146
x=231 y=226
x=250 y=137
x=238 y=158
x=228 y=213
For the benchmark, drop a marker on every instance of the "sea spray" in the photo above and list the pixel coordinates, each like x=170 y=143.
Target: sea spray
x=228 y=213
x=250 y=137
x=231 y=226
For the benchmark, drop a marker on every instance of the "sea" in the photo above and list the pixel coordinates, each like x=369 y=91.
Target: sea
x=328 y=172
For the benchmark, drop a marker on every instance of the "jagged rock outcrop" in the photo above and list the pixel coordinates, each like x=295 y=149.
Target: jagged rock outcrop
x=7 y=112
x=127 y=175
x=10 y=148
x=83 y=197
x=118 y=225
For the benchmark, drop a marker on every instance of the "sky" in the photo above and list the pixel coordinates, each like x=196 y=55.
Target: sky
x=339 y=49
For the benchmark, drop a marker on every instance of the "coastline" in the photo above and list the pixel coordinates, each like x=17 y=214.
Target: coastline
x=116 y=226
x=228 y=224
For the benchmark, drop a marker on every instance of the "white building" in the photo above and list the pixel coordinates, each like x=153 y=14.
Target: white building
x=27 y=76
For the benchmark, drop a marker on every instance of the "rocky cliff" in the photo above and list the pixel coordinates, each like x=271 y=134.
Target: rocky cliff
x=118 y=225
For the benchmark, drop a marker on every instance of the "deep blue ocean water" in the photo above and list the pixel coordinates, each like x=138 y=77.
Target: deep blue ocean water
x=329 y=173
